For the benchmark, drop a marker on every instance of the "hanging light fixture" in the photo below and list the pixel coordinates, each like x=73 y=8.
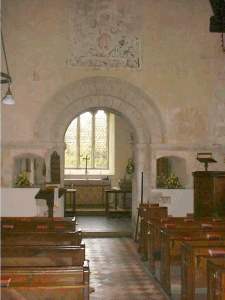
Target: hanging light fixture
x=6 y=79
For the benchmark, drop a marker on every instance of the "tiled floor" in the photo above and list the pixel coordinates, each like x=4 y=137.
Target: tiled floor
x=104 y=224
x=117 y=272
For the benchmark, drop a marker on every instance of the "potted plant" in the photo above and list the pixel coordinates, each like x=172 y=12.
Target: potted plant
x=170 y=182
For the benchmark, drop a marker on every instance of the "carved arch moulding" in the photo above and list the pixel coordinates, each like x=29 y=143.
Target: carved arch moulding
x=115 y=95
x=110 y=93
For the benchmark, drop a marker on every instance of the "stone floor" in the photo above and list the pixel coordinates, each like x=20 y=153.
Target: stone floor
x=101 y=226
x=117 y=273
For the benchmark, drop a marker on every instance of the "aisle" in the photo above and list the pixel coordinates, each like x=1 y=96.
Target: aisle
x=101 y=226
x=117 y=272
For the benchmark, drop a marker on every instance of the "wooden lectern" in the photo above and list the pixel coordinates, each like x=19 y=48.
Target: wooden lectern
x=48 y=195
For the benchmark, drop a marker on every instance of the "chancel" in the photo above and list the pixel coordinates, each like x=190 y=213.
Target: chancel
x=114 y=149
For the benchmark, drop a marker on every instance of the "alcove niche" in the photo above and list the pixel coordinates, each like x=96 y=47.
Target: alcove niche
x=33 y=165
x=168 y=166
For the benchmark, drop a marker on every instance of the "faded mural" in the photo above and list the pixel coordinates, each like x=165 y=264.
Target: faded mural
x=188 y=121
x=105 y=33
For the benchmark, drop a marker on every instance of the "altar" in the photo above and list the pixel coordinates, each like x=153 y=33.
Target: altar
x=89 y=192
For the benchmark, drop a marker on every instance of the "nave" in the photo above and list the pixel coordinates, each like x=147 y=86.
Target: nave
x=47 y=259
x=117 y=273
x=51 y=259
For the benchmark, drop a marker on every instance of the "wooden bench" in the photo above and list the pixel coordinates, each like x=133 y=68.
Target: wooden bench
x=216 y=279
x=173 y=224
x=154 y=236
x=36 y=255
x=171 y=241
x=41 y=238
x=29 y=283
x=37 y=224
x=193 y=269
x=147 y=212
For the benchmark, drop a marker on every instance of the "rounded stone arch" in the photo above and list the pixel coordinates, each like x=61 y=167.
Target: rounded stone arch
x=101 y=92
x=72 y=115
x=114 y=95
x=134 y=118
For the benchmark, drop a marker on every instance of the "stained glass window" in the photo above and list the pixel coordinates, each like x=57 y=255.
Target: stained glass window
x=87 y=141
x=101 y=140
x=86 y=132
x=71 y=145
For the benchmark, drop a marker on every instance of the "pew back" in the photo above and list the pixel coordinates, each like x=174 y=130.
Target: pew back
x=193 y=270
x=42 y=238
x=46 y=283
x=33 y=224
x=42 y=256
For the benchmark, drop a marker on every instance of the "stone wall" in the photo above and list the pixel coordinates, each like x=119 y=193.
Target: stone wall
x=173 y=99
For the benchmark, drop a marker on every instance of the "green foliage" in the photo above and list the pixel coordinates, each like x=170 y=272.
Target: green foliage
x=22 y=180
x=170 y=182
x=162 y=181
x=130 y=166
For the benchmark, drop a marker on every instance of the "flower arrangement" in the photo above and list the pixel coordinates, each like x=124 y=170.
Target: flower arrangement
x=130 y=166
x=170 y=182
x=125 y=183
x=173 y=182
x=22 y=180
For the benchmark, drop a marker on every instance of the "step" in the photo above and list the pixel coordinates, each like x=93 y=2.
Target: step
x=107 y=234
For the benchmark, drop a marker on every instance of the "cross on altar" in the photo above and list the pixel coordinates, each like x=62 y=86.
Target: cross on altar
x=86 y=158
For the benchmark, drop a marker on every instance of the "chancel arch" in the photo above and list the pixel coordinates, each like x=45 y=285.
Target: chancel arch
x=113 y=95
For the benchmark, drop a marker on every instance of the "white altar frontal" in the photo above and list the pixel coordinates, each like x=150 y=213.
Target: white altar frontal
x=21 y=202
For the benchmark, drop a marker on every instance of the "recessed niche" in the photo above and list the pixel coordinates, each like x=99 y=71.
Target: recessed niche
x=171 y=172
x=33 y=166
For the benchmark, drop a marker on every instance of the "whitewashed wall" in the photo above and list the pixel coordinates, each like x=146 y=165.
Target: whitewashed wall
x=21 y=202
x=180 y=201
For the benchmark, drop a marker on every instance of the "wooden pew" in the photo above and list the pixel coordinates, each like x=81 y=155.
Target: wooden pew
x=36 y=255
x=29 y=283
x=37 y=224
x=42 y=238
x=216 y=279
x=28 y=256
x=193 y=269
x=154 y=236
x=148 y=211
x=156 y=226
x=171 y=241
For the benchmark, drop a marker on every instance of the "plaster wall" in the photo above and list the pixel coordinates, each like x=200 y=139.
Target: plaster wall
x=175 y=101
x=123 y=148
x=180 y=202
x=21 y=202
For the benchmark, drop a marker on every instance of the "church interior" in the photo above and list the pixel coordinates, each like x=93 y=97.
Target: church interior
x=113 y=149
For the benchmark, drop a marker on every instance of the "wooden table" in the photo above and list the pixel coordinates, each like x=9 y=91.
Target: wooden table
x=70 y=202
x=115 y=194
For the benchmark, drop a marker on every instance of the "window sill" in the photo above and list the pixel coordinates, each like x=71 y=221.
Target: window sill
x=81 y=173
